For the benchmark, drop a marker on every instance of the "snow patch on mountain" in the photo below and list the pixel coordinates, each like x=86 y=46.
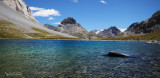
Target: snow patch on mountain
x=97 y=32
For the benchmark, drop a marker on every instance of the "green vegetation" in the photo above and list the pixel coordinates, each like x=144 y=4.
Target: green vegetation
x=150 y=36
x=3 y=23
x=41 y=31
x=7 y=30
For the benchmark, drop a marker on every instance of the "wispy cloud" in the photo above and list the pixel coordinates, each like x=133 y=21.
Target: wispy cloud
x=50 y=18
x=57 y=23
x=103 y=2
x=75 y=1
x=42 y=12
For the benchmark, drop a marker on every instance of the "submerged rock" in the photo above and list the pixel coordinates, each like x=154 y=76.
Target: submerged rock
x=116 y=54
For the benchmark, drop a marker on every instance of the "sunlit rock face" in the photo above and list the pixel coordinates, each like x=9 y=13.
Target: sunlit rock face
x=21 y=7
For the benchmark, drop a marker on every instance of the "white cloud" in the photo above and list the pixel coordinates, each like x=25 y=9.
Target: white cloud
x=36 y=8
x=57 y=23
x=122 y=29
x=104 y=2
x=44 y=12
x=75 y=1
x=50 y=18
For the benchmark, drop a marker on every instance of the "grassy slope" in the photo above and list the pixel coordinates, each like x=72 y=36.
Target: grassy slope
x=45 y=35
x=150 y=36
x=8 y=30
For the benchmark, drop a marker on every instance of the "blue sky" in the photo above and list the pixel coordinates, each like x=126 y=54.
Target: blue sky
x=94 y=14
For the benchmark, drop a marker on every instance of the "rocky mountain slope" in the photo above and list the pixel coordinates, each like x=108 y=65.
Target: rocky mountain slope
x=18 y=23
x=70 y=26
x=110 y=32
x=51 y=27
x=21 y=7
x=147 y=26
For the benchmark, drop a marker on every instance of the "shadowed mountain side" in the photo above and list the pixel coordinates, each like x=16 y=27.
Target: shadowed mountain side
x=147 y=26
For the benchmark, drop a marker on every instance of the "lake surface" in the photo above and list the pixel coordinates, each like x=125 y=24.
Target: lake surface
x=78 y=59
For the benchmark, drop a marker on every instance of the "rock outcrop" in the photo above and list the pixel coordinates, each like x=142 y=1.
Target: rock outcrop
x=69 y=20
x=21 y=7
x=116 y=54
x=147 y=26
x=110 y=32
x=70 y=26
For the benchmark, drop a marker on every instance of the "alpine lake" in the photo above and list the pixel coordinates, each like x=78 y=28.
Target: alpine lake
x=77 y=59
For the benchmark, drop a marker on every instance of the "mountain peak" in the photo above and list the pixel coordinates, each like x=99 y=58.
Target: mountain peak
x=113 y=28
x=69 y=20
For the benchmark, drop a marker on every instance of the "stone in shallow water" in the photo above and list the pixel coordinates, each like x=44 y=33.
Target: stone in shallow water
x=116 y=54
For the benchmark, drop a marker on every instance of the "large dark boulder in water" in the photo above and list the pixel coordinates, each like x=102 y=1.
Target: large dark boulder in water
x=116 y=54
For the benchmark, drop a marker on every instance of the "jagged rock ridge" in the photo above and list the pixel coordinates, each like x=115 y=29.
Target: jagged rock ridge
x=147 y=26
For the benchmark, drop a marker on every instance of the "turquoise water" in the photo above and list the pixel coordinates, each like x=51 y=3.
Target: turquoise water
x=77 y=59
